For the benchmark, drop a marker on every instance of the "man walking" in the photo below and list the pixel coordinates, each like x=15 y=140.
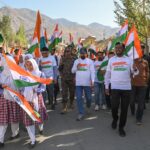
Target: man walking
x=119 y=75
x=85 y=74
x=139 y=86
x=67 y=79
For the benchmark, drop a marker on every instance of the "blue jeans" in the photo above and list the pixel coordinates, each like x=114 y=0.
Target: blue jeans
x=99 y=91
x=88 y=95
x=49 y=93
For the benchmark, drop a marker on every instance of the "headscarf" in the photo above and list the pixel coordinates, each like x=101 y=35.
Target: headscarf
x=28 y=56
x=36 y=70
x=33 y=96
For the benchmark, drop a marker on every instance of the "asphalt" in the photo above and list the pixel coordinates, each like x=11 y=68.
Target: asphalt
x=63 y=132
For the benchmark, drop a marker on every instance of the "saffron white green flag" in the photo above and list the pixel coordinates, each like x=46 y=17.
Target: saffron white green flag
x=103 y=66
x=132 y=43
x=23 y=103
x=34 y=45
x=23 y=78
x=121 y=36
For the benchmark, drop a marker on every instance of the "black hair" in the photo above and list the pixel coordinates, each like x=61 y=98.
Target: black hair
x=122 y=44
x=111 y=52
x=44 y=49
x=100 y=52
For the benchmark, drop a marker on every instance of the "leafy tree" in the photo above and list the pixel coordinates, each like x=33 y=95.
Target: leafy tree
x=137 y=12
x=21 y=39
x=6 y=30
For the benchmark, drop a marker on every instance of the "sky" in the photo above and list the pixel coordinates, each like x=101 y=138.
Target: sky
x=80 y=11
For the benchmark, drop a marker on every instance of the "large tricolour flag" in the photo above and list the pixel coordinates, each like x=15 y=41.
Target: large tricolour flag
x=122 y=34
x=23 y=103
x=103 y=66
x=54 y=38
x=34 y=45
x=23 y=78
x=42 y=39
x=132 y=43
x=37 y=33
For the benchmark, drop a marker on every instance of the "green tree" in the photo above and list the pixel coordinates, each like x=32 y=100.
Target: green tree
x=6 y=30
x=20 y=38
x=137 y=12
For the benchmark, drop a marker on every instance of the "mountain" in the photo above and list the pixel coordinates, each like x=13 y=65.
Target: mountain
x=27 y=17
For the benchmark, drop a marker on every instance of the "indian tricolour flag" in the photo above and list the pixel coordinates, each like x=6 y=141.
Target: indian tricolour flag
x=23 y=103
x=37 y=33
x=34 y=45
x=103 y=66
x=122 y=34
x=42 y=39
x=132 y=43
x=23 y=78
x=54 y=38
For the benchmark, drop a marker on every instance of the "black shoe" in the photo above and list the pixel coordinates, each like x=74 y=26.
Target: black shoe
x=15 y=137
x=1 y=145
x=30 y=146
x=114 y=124
x=122 y=133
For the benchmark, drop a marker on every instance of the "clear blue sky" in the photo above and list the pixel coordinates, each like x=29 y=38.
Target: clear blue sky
x=81 y=11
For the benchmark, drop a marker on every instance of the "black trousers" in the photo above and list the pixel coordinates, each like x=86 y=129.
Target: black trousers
x=120 y=97
x=138 y=95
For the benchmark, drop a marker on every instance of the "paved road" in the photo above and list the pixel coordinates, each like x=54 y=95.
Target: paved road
x=63 y=132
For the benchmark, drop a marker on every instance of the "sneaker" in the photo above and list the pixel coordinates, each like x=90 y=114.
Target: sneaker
x=1 y=145
x=122 y=133
x=139 y=123
x=80 y=117
x=96 y=107
x=32 y=145
x=104 y=107
x=114 y=124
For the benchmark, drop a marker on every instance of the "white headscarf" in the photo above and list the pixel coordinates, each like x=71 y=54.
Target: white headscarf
x=28 y=56
x=36 y=70
x=28 y=93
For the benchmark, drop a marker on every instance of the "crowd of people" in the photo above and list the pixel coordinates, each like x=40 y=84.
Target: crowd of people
x=115 y=80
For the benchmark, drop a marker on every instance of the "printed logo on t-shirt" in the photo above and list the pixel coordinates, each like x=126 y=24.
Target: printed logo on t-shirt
x=46 y=64
x=120 y=66
x=97 y=67
x=83 y=67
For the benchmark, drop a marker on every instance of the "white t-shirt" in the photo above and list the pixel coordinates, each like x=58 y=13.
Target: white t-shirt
x=119 y=73
x=85 y=74
x=47 y=65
